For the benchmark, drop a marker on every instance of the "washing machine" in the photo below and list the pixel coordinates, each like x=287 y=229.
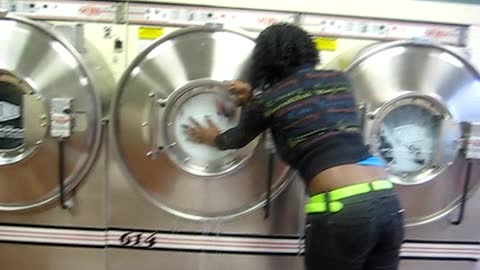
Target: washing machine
x=52 y=147
x=177 y=205
x=419 y=103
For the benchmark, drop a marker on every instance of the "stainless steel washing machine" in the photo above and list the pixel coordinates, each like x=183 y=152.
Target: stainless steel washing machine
x=174 y=204
x=52 y=152
x=420 y=110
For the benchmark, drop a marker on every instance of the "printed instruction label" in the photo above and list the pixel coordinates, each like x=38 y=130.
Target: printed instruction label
x=60 y=125
x=473 y=144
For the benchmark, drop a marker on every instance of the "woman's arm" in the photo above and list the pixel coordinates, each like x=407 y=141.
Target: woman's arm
x=252 y=123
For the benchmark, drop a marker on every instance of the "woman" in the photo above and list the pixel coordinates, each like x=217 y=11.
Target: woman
x=354 y=220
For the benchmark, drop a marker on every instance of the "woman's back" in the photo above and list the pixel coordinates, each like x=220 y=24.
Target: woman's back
x=314 y=121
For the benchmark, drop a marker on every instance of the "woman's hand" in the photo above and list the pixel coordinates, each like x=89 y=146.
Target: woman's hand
x=202 y=135
x=241 y=90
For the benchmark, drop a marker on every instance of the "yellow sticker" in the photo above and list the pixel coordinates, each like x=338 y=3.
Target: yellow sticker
x=150 y=32
x=325 y=44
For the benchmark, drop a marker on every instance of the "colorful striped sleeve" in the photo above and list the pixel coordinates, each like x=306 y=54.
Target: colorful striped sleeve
x=252 y=123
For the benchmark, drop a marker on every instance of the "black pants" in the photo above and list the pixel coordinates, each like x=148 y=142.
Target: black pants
x=366 y=234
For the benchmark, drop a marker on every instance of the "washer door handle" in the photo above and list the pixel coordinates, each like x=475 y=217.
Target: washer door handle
x=471 y=151
x=464 y=198
x=156 y=105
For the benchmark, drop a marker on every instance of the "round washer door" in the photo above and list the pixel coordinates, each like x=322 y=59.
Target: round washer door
x=40 y=75
x=177 y=78
x=416 y=96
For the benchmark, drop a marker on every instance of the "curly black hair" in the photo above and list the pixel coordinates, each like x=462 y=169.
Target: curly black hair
x=280 y=50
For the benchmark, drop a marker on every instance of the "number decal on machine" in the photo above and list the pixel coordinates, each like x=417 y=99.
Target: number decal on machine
x=138 y=239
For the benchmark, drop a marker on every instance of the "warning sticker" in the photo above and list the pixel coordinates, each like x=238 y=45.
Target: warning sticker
x=325 y=44
x=149 y=33
x=60 y=125
x=473 y=143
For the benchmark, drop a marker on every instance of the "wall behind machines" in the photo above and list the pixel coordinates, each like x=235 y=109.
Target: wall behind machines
x=120 y=41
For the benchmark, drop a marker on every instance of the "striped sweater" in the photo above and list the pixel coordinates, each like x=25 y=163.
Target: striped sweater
x=313 y=119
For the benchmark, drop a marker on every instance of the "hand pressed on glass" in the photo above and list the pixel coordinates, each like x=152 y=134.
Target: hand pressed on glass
x=202 y=134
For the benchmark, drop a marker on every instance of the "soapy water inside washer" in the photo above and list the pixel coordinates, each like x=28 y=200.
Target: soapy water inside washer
x=199 y=107
x=407 y=139
x=11 y=123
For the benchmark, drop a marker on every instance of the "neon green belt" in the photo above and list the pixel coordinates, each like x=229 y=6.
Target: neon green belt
x=318 y=203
